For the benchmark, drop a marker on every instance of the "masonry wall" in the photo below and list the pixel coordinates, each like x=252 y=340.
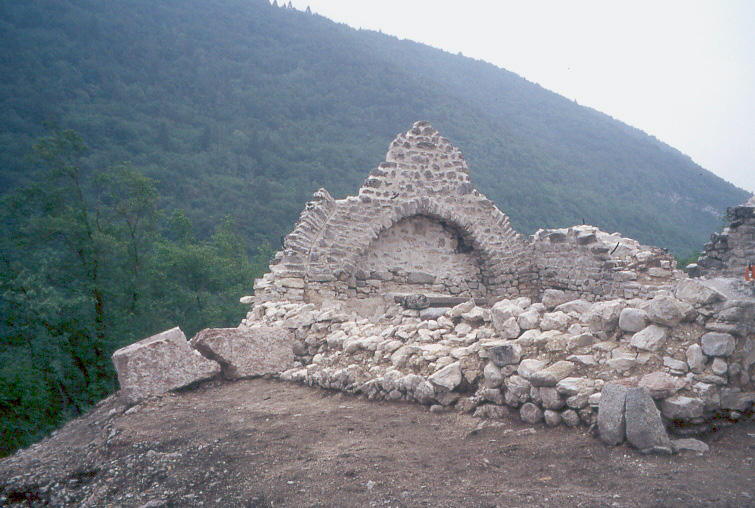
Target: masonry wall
x=729 y=251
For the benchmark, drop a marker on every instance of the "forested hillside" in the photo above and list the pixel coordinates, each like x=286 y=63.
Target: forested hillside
x=238 y=107
x=187 y=135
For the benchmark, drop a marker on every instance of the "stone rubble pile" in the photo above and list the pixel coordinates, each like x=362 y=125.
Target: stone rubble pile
x=690 y=350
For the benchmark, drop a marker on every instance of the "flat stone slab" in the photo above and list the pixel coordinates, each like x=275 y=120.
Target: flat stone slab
x=159 y=364
x=645 y=430
x=249 y=352
x=611 y=423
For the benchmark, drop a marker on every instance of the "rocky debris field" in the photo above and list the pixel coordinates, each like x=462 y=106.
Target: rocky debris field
x=261 y=442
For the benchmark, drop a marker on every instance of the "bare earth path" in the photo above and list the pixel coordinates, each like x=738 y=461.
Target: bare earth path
x=262 y=443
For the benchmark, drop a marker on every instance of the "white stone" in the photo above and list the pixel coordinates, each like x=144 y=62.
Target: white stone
x=529 y=319
x=554 y=321
x=528 y=367
x=632 y=320
x=447 y=378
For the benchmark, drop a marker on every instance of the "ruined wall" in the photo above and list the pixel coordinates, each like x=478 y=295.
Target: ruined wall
x=426 y=180
x=591 y=264
x=729 y=251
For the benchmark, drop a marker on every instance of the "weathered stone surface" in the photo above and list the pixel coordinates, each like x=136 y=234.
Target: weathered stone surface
x=506 y=354
x=552 y=418
x=503 y=311
x=509 y=329
x=696 y=293
x=719 y=366
x=632 y=320
x=551 y=399
x=661 y=384
x=433 y=313
x=529 y=319
x=493 y=376
x=737 y=400
x=717 y=344
x=158 y=364
x=689 y=444
x=447 y=378
x=644 y=427
x=650 y=338
x=603 y=316
x=530 y=413
x=695 y=358
x=550 y=376
x=553 y=297
x=674 y=364
x=460 y=309
x=611 y=421
x=250 y=352
x=664 y=310
x=575 y=385
x=554 y=321
x=679 y=407
x=424 y=393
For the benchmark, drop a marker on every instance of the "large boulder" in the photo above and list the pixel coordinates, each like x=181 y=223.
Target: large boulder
x=664 y=310
x=611 y=422
x=447 y=378
x=632 y=320
x=644 y=427
x=247 y=352
x=158 y=364
x=603 y=316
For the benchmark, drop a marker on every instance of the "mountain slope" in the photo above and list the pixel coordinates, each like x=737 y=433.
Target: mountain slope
x=237 y=107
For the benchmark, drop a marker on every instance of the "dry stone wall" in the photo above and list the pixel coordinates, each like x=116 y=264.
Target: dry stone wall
x=730 y=251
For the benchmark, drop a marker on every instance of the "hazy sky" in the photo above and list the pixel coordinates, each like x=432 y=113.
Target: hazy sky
x=682 y=71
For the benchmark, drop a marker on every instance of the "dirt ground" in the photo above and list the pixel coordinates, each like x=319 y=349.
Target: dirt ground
x=259 y=443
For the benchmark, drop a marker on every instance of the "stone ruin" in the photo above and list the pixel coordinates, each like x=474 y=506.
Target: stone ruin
x=418 y=289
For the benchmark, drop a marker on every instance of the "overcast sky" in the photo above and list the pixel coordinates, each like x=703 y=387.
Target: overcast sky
x=682 y=71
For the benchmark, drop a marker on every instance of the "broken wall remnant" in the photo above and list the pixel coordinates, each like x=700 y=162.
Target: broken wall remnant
x=419 y=225
x=729 y=252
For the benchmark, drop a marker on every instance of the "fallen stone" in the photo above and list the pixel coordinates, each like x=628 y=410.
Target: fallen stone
x=554 y=321
x=693 y=445
x=680 y=407
x=447 y=378
x=550 y=376
x=650 y=338
x=510 y=329
x=245 y=353
x=603 y=316
x=528 y=320
x=553 y=297
x=611 y=421
x=664 y=310
x=644 y=427
x=503 y=311
x=159 y=364
x=695 y=358
x=530 y=413
x=632 y=320
x=460 y=309
x=661 y=384
x=717 y=344
x=696 y=293
x=506 y=354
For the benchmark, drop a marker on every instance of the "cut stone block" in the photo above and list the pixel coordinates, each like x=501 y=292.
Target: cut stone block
x=246 y=353
x=158 y=364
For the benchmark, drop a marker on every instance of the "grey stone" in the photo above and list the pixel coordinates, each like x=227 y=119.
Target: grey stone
x=460 y=309
x=551 y=375
x=518 y=386
x=644 y=427
x=689 y=444
x=554 y=321
x=503 y=311
x=424 y=393
x=661 y=384
x=506 y=354
x=719 y=366
x=247 y=352
x=603 y=316
x=420 y=278
x=664 y=310
x=552 y=418
x=632 y=320
x=717 y=344
x=433 y=313
x=529 y=319
x=493 y=376
x=650 y=338
x=447 y=378
x=696 y=293
x=611 y=421
x=575 y=385
x=493 y=395
x=550 y=398
x=510 y=329
x=530 y=413
x=570 y=418
x=159 y=364
x=695 y=358
x=675 y=364
x=553 y=297
x=737 y=400
x=680 y=407
x=416 y=302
